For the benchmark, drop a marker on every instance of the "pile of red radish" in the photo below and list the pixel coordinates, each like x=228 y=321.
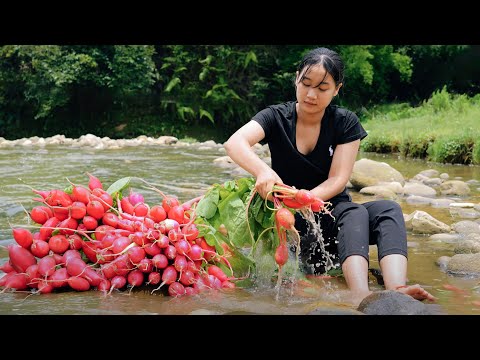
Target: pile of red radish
x=86 y=239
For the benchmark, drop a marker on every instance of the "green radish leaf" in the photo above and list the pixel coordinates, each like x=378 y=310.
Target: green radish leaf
x=118 y=186
x=207 y=207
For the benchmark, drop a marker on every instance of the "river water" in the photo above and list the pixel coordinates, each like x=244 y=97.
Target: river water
x=187 y=172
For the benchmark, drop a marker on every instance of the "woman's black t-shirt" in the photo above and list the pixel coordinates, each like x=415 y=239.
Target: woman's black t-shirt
x=339 y=126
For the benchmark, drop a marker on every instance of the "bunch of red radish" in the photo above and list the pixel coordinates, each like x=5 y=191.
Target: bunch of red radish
x=85 y=242
x=298 y=199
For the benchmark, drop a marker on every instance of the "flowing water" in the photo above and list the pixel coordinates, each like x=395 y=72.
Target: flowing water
x=187 y=172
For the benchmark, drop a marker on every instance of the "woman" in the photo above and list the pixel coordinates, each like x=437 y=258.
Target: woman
x=313 y=146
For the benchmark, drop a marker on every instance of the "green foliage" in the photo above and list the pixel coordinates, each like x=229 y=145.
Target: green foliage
x=235 y=206
x=444 y=128
x=454 y=150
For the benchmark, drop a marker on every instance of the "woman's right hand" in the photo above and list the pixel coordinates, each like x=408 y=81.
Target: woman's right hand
x=265 y=181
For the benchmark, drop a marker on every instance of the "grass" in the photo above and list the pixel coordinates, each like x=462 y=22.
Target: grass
x=445 y=128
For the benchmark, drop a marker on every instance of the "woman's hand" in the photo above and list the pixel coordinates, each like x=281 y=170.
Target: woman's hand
x=265 y=181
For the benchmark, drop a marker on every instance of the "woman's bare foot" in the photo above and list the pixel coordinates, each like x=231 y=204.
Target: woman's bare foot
x=415 y=291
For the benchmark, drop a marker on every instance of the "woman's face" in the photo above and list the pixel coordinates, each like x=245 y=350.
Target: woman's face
x=316 y=90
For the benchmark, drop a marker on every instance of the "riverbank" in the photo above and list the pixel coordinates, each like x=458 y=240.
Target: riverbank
x=444 y=129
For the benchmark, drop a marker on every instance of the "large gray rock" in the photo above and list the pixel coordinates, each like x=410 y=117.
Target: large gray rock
x=369 y=173
x=389 y=302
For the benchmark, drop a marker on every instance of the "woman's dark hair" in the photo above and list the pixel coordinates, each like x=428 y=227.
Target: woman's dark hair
x=329 y=59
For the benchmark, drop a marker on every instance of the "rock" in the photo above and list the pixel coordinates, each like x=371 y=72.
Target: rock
x=368 y=173
x=454 y=187
x=421 y=222
x=389 y=302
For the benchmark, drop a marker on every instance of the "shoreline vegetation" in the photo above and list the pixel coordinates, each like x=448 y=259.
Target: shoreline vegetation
x=443 y=129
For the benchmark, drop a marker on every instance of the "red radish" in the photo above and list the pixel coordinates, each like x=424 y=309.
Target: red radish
x=305 y=197
x=135 y=198
x=40 y=214
x=94 y=182
x=196 y=252
x=217 y=272
x=140 y=209
x=152 y=249
x=228 y=284
x=292 y=203
x=135 y=278
x=75 y=241
x=177 y=213
x=110 y=219
x=162 y=242
x=169 y=276
x=180 y=263
x=16 y=281
x=81 y=194
x=285 y=218
x=158 y=213
x=176 y=289
x=318 y=205
x=209 y=250
x=70 y=254
x=190 y=291
x=20 y=258
x=92 y=276
x=58 y=244
x=40 y=248
x=126 y=206
x=135 y=254
x=169 y=202
x=190 y=231
x=168 y=224
x=90 y=251
x=281 y=254
x=160 y=261
x=44 y=287
x=78 y=210
x=68 y=226
x=187 y=278
x=75 y=266
x=59 y=278
x=215 y=282
x=104 y=285
x=7 y=267
x=23 y=237
x=183 y=247
x=78 y=283
x=126 y=225
x=102 y=230
x=95 y=209
x=174 y=235
x=47 y=228
x=90 y=222
x=154 y=278
x=33 y=276
x=61 y=213
x=170 y=252
x=120 y=244
x=145 y=265
x=117 y=282
x=46 y=266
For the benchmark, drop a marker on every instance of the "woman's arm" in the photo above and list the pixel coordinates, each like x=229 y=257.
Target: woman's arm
x=239 y=148
x=340 y=171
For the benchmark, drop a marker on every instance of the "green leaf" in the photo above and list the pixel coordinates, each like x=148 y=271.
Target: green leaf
x=172 y=83
x=118 y=186
x=207 y=207
x=207 y=115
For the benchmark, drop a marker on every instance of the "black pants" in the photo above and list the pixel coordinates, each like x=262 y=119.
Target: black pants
x=355 y=227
